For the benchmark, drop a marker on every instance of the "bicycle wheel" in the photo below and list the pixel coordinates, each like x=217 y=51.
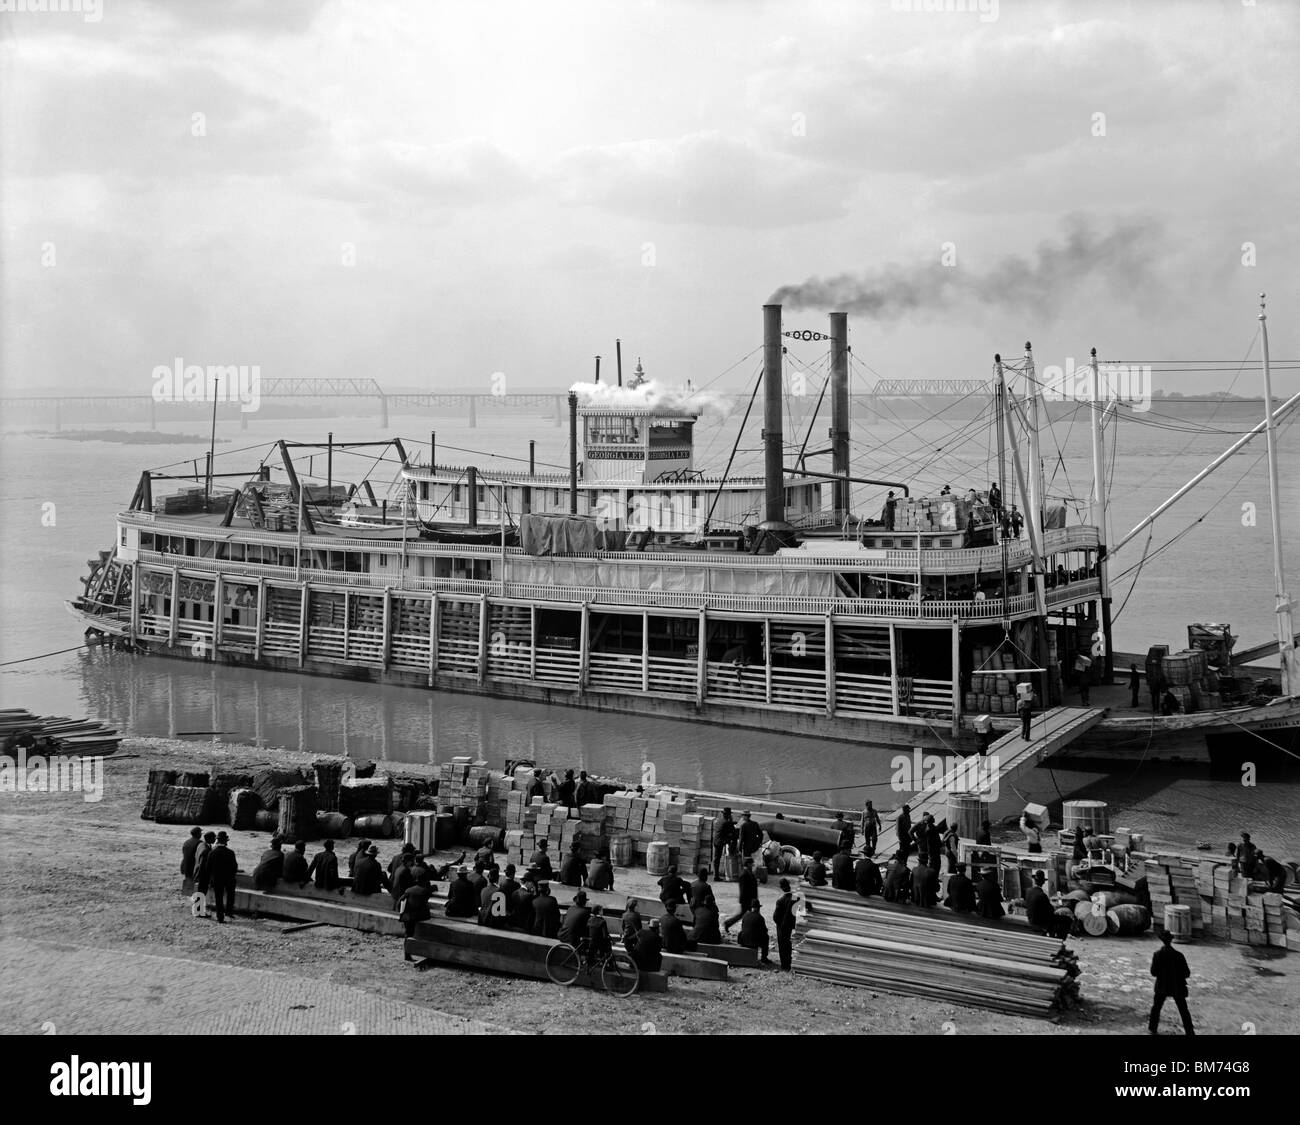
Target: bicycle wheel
x=619 y=974
x=563 y=963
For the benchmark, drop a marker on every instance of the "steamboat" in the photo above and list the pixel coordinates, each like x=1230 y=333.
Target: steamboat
x=639 y=583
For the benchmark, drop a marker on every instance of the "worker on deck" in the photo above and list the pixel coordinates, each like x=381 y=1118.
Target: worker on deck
x=995 y=498
x=726 y=835
x=324 y=867
x=586 y=793
x=1083 y=675
x=784 y=919
x=1170 y=969
x=270 y=867
x=461 y=899
x=568 y=790
x=846 y=831
x=187 y=852
x=1025 y=709
x=1134 y=684
x=815 y=876
x=866 y=877
x=673 y=886
x=363 y=846
x=295 y=864
x=574 y=927
x=647 y=951
x=925 y=885
x=990 y=895
x=842 y=869
x=887 y=512
x=1017 y=522
x=221 y=867
x=573 y=869
x=541 y=861
x=961 y=892
x=897 y=879
x=672 y=931
x=368 y=877
x=707 y=922
x=870 y=828
x=747 y=885
x=753 y=932
x=750 y=836
x=903 y=826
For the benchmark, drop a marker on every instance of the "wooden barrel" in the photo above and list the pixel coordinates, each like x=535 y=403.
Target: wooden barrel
x=484 y=835
x=1092 y=918
x=298 y=812
x=970 y=700
x=623 y=851
x=1112 y=899
x=656 y=857
x=1127 y=919
x=421 y=831
x=1002 y=686
x=995 y=704
x=1178 y=921
x=333 y=825
x=374 y=826
x=266 y=820
x=444 y=832
x=1091 y=816
x=967 y=811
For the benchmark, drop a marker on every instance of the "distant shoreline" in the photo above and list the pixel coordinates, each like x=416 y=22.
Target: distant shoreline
x=130 y=437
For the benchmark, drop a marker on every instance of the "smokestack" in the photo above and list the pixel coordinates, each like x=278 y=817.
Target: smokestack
x=573 y=453
x=773 y=438
x=598 y=369
x=433 y=449
x=471 y=483
x=532 y=458
x=840 y=409
x=618 y=353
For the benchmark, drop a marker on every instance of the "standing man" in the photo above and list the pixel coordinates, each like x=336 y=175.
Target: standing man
x=923 y=836
x=403 y=876
x=748 y=888
x=995 y=498
x=222 y=866
x=846 y=831
x=725 y=837
x=783 y=919
x=951 y=844
x=1017 y=522
x=325 y=867
x=887 y=514
x=187 y=852
x=870 y=829
x=904 y=828
x=568 y=790
x=1170 y=969
x=1083 y=673
x=751 y=837
x=413 y=907
x=586 y=791
x=1033 y=835
x=1025 y=709
x=1134 y=684
x=201 y=854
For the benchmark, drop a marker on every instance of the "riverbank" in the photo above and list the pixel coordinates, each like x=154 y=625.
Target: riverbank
x=85 y=882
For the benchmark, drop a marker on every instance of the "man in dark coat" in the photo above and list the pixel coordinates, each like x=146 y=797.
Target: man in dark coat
x=783 y=918
x=187 y=852
x=541 y=861
x=961 y=892
x=753 y=932
x=842 y=869
x=494 y=906
x=748 y=887
x=414 y=906
x=403 y=877
x=600 y=875
x=1039 y=910
x=648 y=949
x=707 y=931
x=630 y=923
x=221 y=868
x=904 y=828
x=897 y=879
x=368 y=876
x=295 y=864
x=546 y=913
x=325 y=867
x=866 y=877
x=270 y=867
x=950 y=844
x=700 y=889
x=846 y=831
x=990 y=895
x=568 y=790
x=201 y=853
x=750 y=835
x=461 y=900
x=396 y=861
x=921 y=836
x=585 y=794
x=672 y=931
x=478 y=879
x=673 y=886
x=725 y=838
x=537 y=787
x=363 y=848
x=598 y=942
x=925 y=885
x=1170 y=969
x=1270 y=871
x=521 y=906
x=815 y=876
x=573 y=869
x=509 y=884
x=1134 y=685
x=574 y=927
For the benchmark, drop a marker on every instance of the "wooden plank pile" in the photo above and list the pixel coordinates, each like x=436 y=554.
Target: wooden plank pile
x=910 y=951
x=19 y=728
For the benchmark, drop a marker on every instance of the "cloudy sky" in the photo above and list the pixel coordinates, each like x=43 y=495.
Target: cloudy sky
x=431 y=192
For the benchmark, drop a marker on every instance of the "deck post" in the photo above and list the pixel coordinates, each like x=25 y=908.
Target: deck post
x=532 y=641
x=483 y=640
x=303 y=611
x=218 y=611
x=645 y=650
x=176 y=606
x=584 y=647
x=956 y=676
x=261 y=618
x=135 y=598
x=435 y=612
x=767 y=660
x=347 y=622
x=386 y=642
x=701 y=663
x=830 y=665
x=893 y=669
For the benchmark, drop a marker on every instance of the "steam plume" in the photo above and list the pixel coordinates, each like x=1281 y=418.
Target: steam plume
x=651 y=395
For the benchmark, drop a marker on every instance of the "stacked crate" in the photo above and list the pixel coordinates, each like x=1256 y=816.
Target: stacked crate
x=1264 y=922
x=697 y=841
x=653 y=814
x=1172 y=880
x=461 y=784
x=500 y=788
x=591 y=830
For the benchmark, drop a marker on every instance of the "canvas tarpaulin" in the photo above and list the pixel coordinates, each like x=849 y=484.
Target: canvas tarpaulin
x=557 y=535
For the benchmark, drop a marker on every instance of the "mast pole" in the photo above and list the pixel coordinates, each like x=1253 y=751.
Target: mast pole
x=1290 y=676
x=1098 y=408
x=999 y=409
x=212 y=445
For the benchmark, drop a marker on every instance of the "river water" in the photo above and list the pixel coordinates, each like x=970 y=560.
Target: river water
x=1221 y=570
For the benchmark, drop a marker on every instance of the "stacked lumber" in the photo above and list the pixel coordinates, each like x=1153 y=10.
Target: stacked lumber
x=20 y=728
x=911 y=951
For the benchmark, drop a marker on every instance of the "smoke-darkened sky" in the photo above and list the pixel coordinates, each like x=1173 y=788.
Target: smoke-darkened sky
x=431 y=193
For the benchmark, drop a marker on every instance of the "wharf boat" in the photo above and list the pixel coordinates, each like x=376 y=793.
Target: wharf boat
x=637 y=583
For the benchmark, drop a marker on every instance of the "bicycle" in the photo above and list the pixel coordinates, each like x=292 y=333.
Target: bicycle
x=615 y=970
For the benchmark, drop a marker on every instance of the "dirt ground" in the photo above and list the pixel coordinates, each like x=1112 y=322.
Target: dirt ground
x=92 y=884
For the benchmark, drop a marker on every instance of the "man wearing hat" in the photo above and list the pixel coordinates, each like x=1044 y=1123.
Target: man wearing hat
x=870 y=828
x=325 y=868
x=187 y=852
x=1170 y=969
x=541 y=861
x=521 y=904
x=990 y=894
x=397 y=861
x=648 y=949
x=846 y=831
x=574 y=927
x=221 y=868
x=546 y=913
x=368 y=877
x=751 y=839
x=598 y=943
x=403 y=876
x=725 y=836
x=295 y=864
x=461 y=900
x=672 y=931
x=270 y=867
x=363 y=846
x=630 y=924
x=201 y=853
x=1038 y=907
x=784 y=920
x=753 y=932
x=961 y=892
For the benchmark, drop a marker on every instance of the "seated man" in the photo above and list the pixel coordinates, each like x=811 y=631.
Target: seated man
x=753 y=931
x=598 y=943
x=600 y=876
x=815 y=876
x=461 y=899
x=648 y=949
x=271 y=866
x=574 y=927
x=573 y=869
x=707 y=928
x=295 y=864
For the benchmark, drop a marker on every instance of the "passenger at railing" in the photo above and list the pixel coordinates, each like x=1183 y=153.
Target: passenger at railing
x=1017 y=522
x=946 y=490
x=972 y=497
x=887 y=514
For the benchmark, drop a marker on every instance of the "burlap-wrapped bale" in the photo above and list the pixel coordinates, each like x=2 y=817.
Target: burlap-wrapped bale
x=159 y=780
x=298 y=813
x=244 y=805
x=407 y=790
x=226 y=782
x=197 y=779
x=268 y=783
x=366 y=796
x=189 y=804
x=329 y=779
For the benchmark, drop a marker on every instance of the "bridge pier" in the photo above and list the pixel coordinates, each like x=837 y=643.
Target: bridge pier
x=58 y=416
x=473 y=412
x=383 y=410
x=559 y=411
x=153 y=413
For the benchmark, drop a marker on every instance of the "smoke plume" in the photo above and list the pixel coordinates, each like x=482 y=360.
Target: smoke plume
x=1121 y=256
x=651 y=395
